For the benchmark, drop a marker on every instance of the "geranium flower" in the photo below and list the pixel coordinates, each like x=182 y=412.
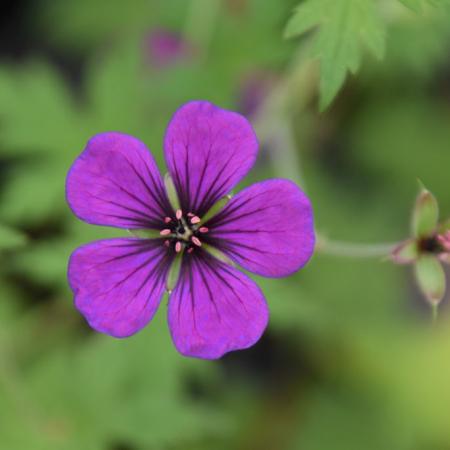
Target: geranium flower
x=214 y=308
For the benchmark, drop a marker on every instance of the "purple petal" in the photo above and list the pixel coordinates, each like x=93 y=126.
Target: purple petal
x=118 y=283
x=267 y=228
x=214 y=308
x=116 y=182
x=208 y=150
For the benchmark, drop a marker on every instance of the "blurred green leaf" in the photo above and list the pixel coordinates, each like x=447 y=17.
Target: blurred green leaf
x=133 y=390
x=345 y=28
x=415 y=5
x=10 y=238
x=37 y=111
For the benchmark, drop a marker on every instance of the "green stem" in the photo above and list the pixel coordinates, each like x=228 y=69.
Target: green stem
x=354 y=250
x=273 y=123
x=434 y=313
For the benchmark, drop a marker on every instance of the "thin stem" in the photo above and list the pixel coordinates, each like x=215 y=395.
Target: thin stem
x=355 y=250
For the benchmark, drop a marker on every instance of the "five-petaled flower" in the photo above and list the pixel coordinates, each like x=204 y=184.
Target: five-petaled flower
x=214 y=308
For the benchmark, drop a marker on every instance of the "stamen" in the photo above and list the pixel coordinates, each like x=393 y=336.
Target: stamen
x=196 y=241
x=203 y=229
x=165 y=232
x=190 y=215
x=179 y=214
x=167 y=219
x=190 y=249
x=178 y=247
x=167 y=243
x=195 y=220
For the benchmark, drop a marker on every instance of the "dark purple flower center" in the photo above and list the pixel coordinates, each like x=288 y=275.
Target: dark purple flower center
x=183 y=232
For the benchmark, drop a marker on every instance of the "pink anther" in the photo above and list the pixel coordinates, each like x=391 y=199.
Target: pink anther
x=165 y=232
x=167 y=219
x=179 y=214
x=203 y=229
x=178 y=247
x=196 y=241
x=195 y=220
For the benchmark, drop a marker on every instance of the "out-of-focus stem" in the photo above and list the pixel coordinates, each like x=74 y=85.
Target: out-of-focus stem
x=200 y=23
x=273 y=122
x=434 y=313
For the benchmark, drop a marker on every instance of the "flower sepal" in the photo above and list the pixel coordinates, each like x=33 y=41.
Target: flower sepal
x=171 y=191
x=430 y=277
x=144 y=233
x=406 y=252
x=425 y=215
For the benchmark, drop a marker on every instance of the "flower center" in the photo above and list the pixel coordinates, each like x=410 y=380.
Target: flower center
x=183 y=232
x=430 y=245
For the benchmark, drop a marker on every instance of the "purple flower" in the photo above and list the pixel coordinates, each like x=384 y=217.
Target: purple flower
x=165 y=48
x=214 y=308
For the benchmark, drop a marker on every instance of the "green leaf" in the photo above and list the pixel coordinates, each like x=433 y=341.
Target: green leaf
x=344 y=28
x=10 y=238
x=425 y=215
x=430 y=277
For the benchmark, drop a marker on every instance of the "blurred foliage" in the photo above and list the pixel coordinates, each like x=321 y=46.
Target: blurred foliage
x=350 y=359
x=344 y=27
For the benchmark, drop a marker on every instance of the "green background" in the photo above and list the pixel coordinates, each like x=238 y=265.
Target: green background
x=351 y=359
